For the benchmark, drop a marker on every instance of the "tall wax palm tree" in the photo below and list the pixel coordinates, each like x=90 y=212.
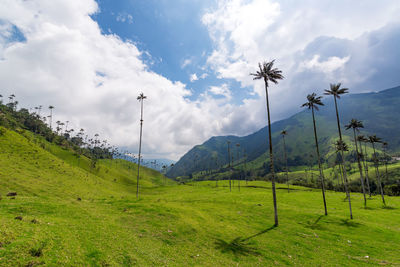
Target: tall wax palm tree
x=356 y=125
x=141 y=99
x=237 y=153
x=229 y=164
x=245 y=169
x=336 y=91
x=284 y=133
x=51 y=115
x=313 y=101
x=364 y=157
x=374 y=139
x=268 y=73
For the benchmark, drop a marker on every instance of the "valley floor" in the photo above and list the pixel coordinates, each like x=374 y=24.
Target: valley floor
x=199 y=225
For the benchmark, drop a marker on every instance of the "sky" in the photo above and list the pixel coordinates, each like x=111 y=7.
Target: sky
x=192 y=59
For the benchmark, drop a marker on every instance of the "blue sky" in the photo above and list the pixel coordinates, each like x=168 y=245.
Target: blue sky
x=171 y=34
x=90 y=59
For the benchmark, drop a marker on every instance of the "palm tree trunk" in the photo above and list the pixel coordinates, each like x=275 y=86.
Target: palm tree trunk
x=238 y=162
x=378 y=176
x=359 y=167
x=366 y=168
x=321 y=173
x=140 y=149
x=271 y=156
x=287 y=174
x=229 y=166
x=51 y=118
x=343 y=160
x=341 y=176
x=386 y=168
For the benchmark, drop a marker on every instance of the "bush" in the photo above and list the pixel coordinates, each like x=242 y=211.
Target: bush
x=393 y=190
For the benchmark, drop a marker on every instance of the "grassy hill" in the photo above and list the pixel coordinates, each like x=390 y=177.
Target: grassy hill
x=66 y=213
x=378 y=111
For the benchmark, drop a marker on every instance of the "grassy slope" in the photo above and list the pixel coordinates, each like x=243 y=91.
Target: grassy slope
x=175 y=225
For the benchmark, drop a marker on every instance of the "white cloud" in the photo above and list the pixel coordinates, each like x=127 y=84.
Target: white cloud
x=193 y=77
x=203 y=76
x=246 y=32
x=93 y=80
x=124 y=17
x=186 y=62
x=222 y=90
x=328 y=66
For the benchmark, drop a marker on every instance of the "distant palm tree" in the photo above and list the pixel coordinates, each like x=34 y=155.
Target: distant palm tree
x=284 y=133
x=229 y=164
x=51 y=115
x=245 y=169
x=269 y=74
x=364 y=157
x=384 y=148
x=374 y=139
x=313 y=101
x=141 y=99
x=336 y=91
x=356 y=125
x=237 y=153
x=341 y=146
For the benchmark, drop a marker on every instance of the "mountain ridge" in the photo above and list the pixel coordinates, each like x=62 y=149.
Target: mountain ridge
x=378 y=111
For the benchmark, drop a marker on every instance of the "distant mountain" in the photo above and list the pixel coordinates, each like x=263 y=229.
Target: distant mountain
x=379 y=111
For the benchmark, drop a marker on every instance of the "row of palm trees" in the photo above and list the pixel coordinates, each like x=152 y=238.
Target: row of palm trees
x=269 y=74
x=81 y=143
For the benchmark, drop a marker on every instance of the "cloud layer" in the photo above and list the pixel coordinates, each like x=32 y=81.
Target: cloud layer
x=93 y=78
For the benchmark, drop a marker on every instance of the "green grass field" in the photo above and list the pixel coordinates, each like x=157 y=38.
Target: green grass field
x=68 y=214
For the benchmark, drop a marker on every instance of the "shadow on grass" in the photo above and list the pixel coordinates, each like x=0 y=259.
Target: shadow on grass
x=349 y=223
x=277 y=188
x=315 y=225
x=388 y=208
x=240 y=246
x=237 y=246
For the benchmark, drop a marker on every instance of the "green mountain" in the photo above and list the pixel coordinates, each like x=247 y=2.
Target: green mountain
x=379 y=111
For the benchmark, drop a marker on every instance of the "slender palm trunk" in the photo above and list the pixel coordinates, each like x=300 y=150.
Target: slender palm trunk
x=341 y=176
x=287 y=174
x=140 y=149
x=343 y=160
x=245 y=169
x=378 y=176
x=238 y=162
x=271 y=156
x=359 y=167
x=229 y=166
x=366 y=168
x=51 y=118
x=321 y=173
x=386 y=167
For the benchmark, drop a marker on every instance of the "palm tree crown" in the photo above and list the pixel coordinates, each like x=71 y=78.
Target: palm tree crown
x=313 y=101
x=341 y=146
x=354 y=124
x=374 y=139
x=268 y=73
x=141 y=97
x=335 y=90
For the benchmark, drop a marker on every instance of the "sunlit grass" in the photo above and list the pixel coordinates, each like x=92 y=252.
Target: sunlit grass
x=75 y=216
